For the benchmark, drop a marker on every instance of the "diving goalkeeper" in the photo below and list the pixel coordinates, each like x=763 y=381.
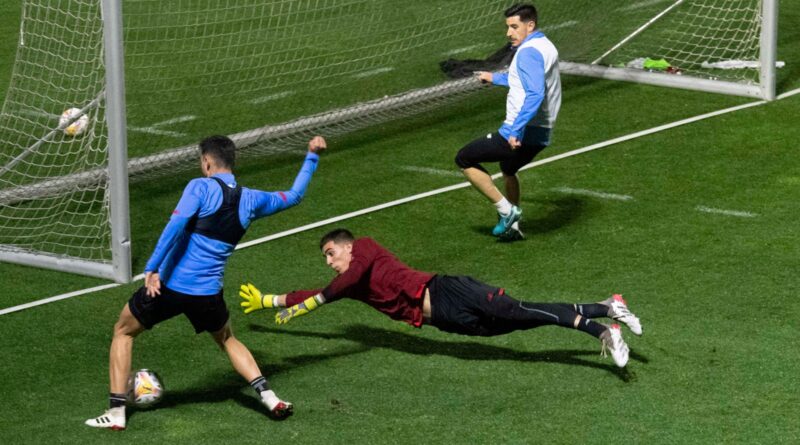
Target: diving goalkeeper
x=366 y=271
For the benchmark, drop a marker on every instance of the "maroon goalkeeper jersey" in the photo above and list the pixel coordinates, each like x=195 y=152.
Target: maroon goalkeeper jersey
x=378 y=278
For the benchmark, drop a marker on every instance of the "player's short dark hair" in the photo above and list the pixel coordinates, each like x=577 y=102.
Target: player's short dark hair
x=338 y=236
x=221 y=148
x=525 y=11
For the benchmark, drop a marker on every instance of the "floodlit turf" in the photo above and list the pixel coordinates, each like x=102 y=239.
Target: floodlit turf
x=717 y=294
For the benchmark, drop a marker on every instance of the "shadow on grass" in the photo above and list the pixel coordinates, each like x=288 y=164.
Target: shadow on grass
x=369 y=338
x=560 y=213
x=227 y=385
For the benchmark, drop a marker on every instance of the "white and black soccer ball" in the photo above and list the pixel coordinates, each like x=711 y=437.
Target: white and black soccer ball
x=144 y=388
x=78 y=125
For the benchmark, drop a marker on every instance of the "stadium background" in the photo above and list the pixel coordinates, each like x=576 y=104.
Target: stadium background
x=716 y=293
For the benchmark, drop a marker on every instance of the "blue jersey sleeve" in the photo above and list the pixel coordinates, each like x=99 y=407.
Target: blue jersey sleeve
x=530 y=65
x=188 y=206
x=268 y=203
x=500 y=79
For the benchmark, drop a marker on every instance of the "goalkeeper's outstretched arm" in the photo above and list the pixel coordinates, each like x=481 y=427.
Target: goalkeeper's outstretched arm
x=298 y=309
x=299 y=303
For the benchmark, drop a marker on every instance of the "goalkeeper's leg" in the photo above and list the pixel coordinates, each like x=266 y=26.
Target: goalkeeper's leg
x=244 y=363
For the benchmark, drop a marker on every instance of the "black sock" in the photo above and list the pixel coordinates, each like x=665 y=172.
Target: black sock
x=592 y=310
x=116 y=400
x=260 y=384
x=591 y=327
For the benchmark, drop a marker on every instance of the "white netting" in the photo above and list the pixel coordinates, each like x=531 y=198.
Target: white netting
x=58 y=66
x=273 y=72
x=230 y=66
x=699 y=36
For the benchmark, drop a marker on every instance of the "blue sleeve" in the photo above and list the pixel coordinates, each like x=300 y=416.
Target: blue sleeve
x=188 y=206
x=500 y=79
x=267 y=203
x=530 y=66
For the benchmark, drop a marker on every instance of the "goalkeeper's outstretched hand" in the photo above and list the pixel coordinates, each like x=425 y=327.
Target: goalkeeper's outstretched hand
x=253 y=300
x=297 y=310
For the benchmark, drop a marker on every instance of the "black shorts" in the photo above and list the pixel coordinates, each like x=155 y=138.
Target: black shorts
x=206 y=312
x=495 y=148
x=464 y=305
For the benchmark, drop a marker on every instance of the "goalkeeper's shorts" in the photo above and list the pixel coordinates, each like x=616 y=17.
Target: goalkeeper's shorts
x=205 y=312
x=462 y=305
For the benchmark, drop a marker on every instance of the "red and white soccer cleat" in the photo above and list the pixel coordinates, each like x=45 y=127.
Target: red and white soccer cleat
x=618 y=310
x=613 y=342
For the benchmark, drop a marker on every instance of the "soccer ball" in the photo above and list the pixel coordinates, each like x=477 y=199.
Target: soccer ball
x=144 y=388
x=77 y=126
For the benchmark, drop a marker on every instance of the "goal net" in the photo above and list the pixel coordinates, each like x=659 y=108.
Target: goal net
x=270 y=73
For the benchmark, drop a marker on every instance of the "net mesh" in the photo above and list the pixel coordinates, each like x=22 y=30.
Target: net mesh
x=58 y=65
x=701 y=37
x=271 y=73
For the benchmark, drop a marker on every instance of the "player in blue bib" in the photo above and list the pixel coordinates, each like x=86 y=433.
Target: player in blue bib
x=184 y=273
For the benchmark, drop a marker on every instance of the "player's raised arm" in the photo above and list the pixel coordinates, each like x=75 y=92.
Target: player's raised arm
x=268 y=203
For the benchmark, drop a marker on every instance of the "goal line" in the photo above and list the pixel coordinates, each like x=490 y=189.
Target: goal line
x=427 y=194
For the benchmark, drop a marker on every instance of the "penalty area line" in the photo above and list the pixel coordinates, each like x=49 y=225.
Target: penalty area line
x=419 y=196
x=593 y=193
x=737 y=213
x=433 y=171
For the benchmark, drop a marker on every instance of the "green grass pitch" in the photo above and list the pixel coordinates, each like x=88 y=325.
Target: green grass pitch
x=717 y=294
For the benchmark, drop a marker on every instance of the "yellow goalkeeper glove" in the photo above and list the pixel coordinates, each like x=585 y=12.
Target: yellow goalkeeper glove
x=297 y=310
x=253 y=300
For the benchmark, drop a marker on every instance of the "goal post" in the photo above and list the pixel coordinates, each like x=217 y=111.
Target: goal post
x=159 y=76
x=73 y=227
x=769 y=49
x=119 y=212
x=762 y=17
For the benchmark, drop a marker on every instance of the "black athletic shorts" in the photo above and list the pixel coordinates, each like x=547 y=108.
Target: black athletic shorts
x=206 y=312
x=495 y=148
x=464 y=305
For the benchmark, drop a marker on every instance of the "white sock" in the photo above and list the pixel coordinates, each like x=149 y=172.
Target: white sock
x=503 y=206
x=270 y=399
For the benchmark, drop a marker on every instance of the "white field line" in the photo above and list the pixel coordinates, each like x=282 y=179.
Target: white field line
x=175 y=120
x=566 y=24
x=38 y=114
x=374 y=72
x=415 y=197
x=453 y=52
x=641 y=5
x=737 y=213
x=594 y=194
x=270 y=97
x=788 y=94
x=156 y=131
x=57 y=298
x=433 y=171
x=639 y=134
x=156 y=128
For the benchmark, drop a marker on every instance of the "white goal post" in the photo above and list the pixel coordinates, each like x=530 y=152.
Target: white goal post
x=109 y=222
x=764 y=88
x=154 y=77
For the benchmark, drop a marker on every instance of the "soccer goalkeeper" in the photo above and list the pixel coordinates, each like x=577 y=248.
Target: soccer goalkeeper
x=368 y=272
